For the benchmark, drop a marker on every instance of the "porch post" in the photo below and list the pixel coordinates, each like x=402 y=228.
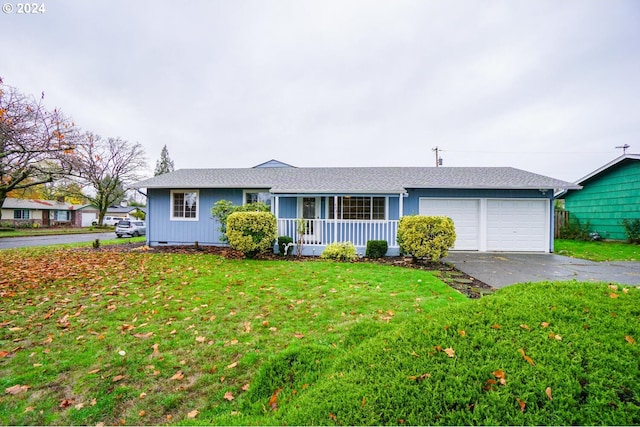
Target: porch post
x=335 y=218
x=400 y=206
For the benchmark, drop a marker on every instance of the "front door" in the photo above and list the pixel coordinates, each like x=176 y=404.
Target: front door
x=309 y=208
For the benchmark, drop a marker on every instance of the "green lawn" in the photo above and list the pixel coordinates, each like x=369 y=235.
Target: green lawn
x=148 y=338
x=598 y=250
x=90 y=337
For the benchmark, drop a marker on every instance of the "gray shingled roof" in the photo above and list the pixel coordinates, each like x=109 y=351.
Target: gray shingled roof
x=12 y=203
x=378 y=180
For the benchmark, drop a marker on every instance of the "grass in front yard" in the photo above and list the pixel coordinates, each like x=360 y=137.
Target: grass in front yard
x=531 y=354
x=92 y=337
x=598 y=250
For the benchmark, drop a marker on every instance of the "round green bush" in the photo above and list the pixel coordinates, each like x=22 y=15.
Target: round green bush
x=340 y=251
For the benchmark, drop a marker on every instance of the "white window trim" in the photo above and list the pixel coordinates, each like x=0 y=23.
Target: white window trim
x=255 y=190
x=178 y=218
x=328 y=211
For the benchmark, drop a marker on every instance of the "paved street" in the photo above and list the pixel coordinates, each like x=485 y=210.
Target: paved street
x=20 y=242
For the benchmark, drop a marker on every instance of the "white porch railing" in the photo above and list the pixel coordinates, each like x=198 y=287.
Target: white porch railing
x=325 y=231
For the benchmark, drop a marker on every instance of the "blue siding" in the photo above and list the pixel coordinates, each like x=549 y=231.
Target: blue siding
x=161 y=230
x=288 y=207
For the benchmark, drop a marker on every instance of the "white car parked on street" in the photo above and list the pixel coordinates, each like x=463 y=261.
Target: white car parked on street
x=131 y=228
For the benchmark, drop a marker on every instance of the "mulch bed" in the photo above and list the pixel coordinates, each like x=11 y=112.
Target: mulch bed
x=463 y=283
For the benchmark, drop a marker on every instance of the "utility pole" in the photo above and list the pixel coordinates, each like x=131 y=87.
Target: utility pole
x=438 y=158
x=624 y=148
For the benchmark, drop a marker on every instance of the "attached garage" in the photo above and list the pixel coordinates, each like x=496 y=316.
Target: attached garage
x=465 y=214
x=482 y=224
x=518 y=225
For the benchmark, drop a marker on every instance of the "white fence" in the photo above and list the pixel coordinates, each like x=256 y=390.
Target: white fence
x=325 y=231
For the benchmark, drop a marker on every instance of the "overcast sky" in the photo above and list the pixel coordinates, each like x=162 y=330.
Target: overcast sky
x=551 y=87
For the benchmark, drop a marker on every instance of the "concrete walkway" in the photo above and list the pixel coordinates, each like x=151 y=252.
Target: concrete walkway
x=503 y=269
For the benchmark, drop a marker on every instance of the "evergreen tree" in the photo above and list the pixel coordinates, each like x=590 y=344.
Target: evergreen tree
x=165 y=164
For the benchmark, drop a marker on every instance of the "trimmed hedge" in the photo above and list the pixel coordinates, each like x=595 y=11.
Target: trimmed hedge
x=251 y=232
x=340 y=251
x=376 y=248
x=426 y=236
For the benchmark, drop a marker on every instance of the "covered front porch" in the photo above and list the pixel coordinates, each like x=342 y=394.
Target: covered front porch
x=314 y=221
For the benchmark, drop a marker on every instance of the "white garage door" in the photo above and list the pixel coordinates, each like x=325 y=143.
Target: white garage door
x=465 y=214
x=517 y=225
x=88 y=218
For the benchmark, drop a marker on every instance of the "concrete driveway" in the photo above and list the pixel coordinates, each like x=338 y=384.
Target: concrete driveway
x=503 y=269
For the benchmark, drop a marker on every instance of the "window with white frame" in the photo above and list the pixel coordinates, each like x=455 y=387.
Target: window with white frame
x=364 y=208
x=21 y=214
x=184 y=205
x=255 y=196
x=61 y=216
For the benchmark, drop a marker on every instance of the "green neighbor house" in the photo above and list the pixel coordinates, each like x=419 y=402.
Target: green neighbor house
x=609 y=195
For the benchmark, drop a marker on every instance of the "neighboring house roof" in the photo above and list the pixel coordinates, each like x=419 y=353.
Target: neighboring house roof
x=613 y=163
x=12 y=203
x=374 y=180
x=609 y=165
x=120 y=209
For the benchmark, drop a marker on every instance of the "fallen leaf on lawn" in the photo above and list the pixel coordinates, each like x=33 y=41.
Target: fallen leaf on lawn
x=247 y=327
x=124 y=328
x=66 y=403
x=200 y=339
x=462 y=333
x=525 y=357
x=94 y=371
x=548 y=393
x=3 y=354
x=450 y=352
x=79 y=406
x=332 y=416
x=233 y=365
x=499 y=374
x=496 y=326
x=177 y=376
x=273 y=400
x=155 y=353
x=625 y=290
x=117 y=378
x=613 y=295
x=523 y=326
x=169 y=416
x=145 y=336
x=522 y=404
x=489 y=384
x=191 y=414
x=545 y=324
x=16 y=389
x=364 y=402
x=228 y=396
x=142 y=413
x=245 y=387
x=298 y=335
x=629 y=339
x=143 y=395
x=29 y=409
x=419 y=378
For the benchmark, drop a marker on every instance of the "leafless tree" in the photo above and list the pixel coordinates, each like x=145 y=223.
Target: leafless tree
x=33 y=141
x=105 y=167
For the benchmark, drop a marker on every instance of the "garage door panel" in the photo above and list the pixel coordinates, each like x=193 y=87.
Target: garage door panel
x=465 y=216
x=517 y=225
